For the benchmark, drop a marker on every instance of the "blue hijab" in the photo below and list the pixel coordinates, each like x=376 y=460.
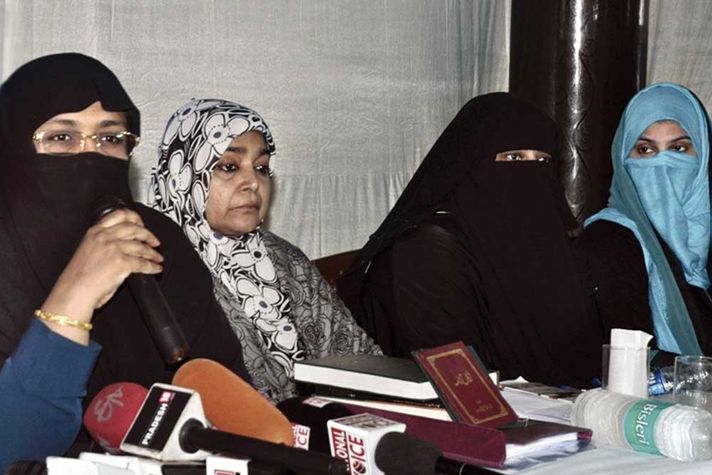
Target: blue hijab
x=668 y=193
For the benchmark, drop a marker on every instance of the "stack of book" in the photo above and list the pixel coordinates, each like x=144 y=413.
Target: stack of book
x=397 y=388
x=380 y=382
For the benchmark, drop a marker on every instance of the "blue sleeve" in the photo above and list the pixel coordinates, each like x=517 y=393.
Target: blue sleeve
x=41 y=389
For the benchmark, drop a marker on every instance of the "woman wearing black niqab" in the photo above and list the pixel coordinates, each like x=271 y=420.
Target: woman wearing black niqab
x=476 y=249
x=46 y=211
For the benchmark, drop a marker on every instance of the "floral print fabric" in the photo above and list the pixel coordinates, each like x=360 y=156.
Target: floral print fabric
x=196 y=137
x=265 y=303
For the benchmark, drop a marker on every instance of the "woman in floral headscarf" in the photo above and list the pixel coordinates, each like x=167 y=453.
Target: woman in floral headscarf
x=213 y=178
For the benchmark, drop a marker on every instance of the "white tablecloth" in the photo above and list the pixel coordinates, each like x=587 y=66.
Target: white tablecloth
x=597 y=459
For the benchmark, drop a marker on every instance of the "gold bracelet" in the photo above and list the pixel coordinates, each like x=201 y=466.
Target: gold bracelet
x=62 y=320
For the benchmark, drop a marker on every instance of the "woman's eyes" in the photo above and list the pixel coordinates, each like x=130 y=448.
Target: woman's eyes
x=113 y=139
x=513 y=156
x=226 y=167
x=648 y=151
x=645 y=150
x=59 y=137
x=263 y=170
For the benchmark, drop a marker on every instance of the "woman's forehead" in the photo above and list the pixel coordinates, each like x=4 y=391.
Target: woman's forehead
x=95 y=115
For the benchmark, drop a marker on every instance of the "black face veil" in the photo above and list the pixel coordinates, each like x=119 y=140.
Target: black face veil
x=514 y=220
x=45 y=201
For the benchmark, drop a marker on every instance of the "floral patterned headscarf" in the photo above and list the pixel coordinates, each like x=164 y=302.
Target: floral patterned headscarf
x=195 y=138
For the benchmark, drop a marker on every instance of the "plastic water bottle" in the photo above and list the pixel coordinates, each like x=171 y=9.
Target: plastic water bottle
x=646 y=425
x=661 y=380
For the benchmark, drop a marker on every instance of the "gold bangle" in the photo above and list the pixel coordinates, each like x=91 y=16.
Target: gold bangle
x=62 y=320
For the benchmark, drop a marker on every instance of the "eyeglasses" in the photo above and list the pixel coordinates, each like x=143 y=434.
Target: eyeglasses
x=69 y=142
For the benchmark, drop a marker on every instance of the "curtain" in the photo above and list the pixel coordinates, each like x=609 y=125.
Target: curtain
x=355 y=91
x=680 y=45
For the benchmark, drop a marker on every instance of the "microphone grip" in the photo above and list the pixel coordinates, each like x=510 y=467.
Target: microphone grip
x=154 y=308
x=157 y=314
x=193 y=437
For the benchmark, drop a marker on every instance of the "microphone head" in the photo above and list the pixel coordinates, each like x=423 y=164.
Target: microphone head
x=111 y=413
x=396 y=450
x=104 y=205
x=312 y=413
x=231 y=404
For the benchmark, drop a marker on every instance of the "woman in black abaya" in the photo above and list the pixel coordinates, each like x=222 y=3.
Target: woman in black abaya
x=47 y=206
x=476 y=249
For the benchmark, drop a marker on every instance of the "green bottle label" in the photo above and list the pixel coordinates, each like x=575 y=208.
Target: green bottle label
x=639 y=425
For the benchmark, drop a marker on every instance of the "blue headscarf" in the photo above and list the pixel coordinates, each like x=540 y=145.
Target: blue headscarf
x=668 y=193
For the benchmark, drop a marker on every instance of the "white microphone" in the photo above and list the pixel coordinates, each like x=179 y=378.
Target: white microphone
x=354 y=439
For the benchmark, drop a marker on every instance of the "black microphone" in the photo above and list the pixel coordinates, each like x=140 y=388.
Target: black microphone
x=158 y=316
x=479 y=446
x=397 y=450
x=171 y=426
x=309 y=421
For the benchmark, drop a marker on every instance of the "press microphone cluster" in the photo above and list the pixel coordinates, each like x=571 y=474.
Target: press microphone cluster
x=170 y=425
x=152 y=303
x=369 y=444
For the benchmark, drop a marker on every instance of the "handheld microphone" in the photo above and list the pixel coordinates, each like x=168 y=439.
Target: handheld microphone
x=152 y=303
x=231 y=404
x=171 y=426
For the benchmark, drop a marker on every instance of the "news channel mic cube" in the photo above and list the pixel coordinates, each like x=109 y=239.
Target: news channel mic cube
x=354 y=439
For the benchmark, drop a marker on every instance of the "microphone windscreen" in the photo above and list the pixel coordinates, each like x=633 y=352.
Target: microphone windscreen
x=300 y=411
x=111 y=413
x=396 y=450
x=231 y=404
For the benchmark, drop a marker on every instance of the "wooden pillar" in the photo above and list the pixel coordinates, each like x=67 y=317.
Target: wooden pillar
x=580 y=61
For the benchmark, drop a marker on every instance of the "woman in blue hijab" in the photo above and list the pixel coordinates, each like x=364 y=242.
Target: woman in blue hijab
x=648 y=249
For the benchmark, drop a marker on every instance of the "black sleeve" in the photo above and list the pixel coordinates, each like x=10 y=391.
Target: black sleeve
x=188 y=287
x=618 y=276
x=424 y=287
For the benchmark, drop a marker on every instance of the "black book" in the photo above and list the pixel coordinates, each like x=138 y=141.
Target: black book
x=379 y=375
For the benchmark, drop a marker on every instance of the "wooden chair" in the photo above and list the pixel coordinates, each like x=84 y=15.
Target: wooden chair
x=333 y=266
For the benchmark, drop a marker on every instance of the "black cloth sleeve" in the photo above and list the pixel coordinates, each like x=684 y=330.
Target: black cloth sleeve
x=422 y=292
x=188 y=287
x=618 y=277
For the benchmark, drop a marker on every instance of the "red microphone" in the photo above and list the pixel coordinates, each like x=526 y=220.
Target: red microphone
x=110 y=413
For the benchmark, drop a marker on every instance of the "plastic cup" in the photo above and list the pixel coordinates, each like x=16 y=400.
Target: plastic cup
x=692 y=383
x=625 y=370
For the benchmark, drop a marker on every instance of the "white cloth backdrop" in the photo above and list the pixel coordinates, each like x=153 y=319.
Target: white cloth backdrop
x=355 y=91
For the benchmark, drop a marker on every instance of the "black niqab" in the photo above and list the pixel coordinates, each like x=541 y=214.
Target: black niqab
x=47 y=199
x=533 y=319
x=46 y=208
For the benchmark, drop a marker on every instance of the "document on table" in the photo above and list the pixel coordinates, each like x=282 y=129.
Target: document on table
x=531 y=406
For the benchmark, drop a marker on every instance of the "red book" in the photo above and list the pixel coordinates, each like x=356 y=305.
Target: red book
x=480 y=445
x=464 y=387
